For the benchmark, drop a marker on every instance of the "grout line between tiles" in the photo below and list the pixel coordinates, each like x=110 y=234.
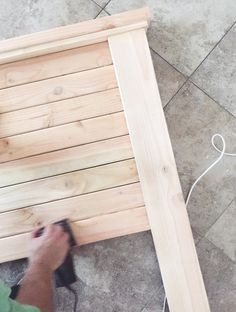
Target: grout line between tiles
x=106 y=6
x=190 y=76
x=106 y=12
x=167 y=104
x=212 y=98
x=220 y=250
x=227 y=31
x=168 y=63
x=219 y=217
x=97 y=5
x=98 y=13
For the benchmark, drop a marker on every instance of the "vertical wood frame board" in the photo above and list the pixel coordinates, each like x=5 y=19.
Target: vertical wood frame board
x=83 y=136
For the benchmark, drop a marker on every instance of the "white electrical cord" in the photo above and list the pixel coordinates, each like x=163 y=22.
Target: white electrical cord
x=222 y=153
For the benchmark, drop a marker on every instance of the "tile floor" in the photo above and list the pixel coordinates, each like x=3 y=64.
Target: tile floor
x=193 y=45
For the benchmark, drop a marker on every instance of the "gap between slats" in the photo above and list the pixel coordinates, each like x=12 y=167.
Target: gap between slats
x=85 y=231
x=59 y=113
x=74 y=208
x=54 y=65
x=60 y=137
x=68 y=184
x=59 y=88
x=65 y=160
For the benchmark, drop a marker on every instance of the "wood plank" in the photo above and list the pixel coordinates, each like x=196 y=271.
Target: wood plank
x=67 y=185
x=75 y=208
x=66 y=44
x=74 y=30
x=86 y=231
x=60 y=112
x=55 y=89
x=56 y=64
x=77 y=133
x=66 y=160
x=158 y=174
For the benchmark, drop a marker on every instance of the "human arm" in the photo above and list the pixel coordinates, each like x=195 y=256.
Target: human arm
x=47 y=253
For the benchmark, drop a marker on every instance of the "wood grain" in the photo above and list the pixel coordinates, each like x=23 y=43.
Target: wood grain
x=75 y=208
x=52 y=65
x=163 y=198
x=66 y=44
x=67 y=185
x=74 y=30
x=61 y=112
x=86 y=231
x=58 y=88
x=77 y=133
x=66 y=160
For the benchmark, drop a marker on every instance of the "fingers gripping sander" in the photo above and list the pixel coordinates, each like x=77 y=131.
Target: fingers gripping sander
x=65 y=274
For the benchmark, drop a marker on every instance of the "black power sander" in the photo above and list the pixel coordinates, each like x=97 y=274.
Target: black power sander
x=65 y=274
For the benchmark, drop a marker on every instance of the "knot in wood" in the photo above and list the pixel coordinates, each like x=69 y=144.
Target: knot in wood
x=58 y=90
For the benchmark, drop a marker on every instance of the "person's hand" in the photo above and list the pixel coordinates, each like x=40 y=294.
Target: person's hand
x=50 y=249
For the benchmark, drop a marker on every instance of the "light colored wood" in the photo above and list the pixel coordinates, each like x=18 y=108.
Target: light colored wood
x=86 y=231
x=77 y=133
x=74 y=30
x=66 y=160
x=111 y=225
x=56 y=64
x=75 y=208
x=66 y=44
x=158 y=174
x=58 y=88
x=60 y=112
x=67 y=185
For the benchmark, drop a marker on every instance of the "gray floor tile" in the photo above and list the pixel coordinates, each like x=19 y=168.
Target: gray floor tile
x=32 y=16
x=193 y=118
x=12 y=272
x=183 y=32
x=102 y=3
x=197 y=237
x=124 y=269
x=102 y=14
x=219 y=274
x=223 y=232
x=168 y=78
x=217 y=74
x=157 y=304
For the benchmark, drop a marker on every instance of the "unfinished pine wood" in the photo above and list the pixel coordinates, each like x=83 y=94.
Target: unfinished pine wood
x=56 y=64
x=77 y=133
x=111 y=225
x=55 y=89
x=86 y=231
x=75 y=208
x=66 y=44
x=60 y=112
x=158 y=174
x=69 y=31
x=66 y=160
x=68 y=184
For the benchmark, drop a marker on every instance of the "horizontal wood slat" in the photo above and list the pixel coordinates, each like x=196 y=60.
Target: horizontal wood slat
x=75 y=208
x=56 y=64
x=77 y=133
x=59 y=88
x=61 y=112
x=86 y=231
x=111 y=225
x=66 y=160
x=69 y=31
x=69 y=184
x=66 y=44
